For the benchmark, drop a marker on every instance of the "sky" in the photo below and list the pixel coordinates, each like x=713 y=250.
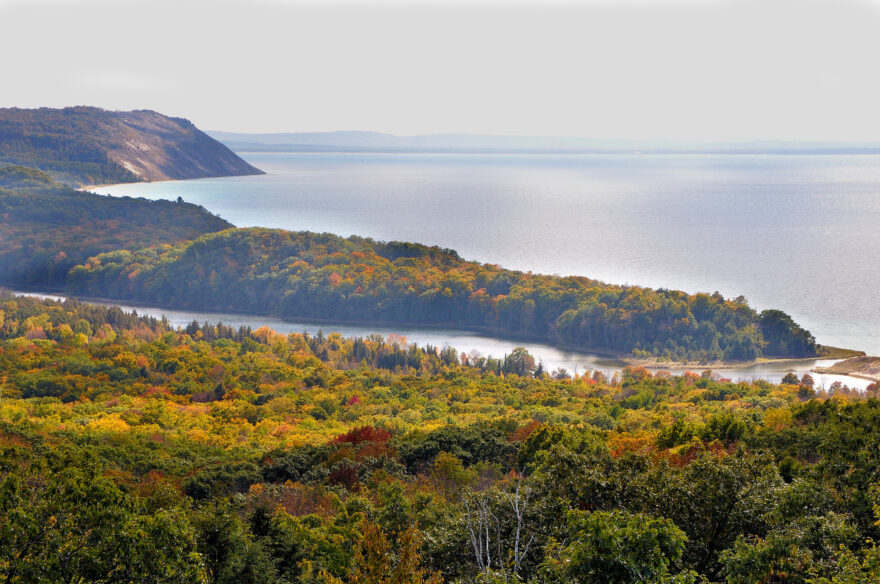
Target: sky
x=650 y=69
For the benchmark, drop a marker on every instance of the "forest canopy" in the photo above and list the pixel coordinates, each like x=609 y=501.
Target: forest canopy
x=134 y=452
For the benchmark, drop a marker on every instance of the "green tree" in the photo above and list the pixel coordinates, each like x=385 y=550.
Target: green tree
x=64 y=522
x=230 y=553
x=615 y=547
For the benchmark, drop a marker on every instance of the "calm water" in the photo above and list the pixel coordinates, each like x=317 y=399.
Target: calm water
x=799 y=233
x=464 y=341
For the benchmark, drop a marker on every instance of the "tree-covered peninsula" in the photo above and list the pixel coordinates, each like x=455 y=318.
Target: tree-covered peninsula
x=323 y=276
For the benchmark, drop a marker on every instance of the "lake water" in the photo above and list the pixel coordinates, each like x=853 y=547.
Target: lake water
x=795 y=232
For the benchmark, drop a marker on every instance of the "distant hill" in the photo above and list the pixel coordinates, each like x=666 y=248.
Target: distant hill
x=81 y=146
x=358 y=141
x=381 y=142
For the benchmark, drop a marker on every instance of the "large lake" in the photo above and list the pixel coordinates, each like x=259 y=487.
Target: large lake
x=795 y=232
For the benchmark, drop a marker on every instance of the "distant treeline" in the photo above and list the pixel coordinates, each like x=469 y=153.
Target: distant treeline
x=324 y=276
x=47 y=228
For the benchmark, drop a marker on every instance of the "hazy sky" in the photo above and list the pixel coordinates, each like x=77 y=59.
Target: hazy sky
x=707 y=69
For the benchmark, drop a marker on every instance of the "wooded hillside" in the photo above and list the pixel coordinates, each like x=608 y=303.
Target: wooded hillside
x=82 y=146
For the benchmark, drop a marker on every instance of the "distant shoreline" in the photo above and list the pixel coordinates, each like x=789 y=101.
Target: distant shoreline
x=297 y=149
x=360 y=141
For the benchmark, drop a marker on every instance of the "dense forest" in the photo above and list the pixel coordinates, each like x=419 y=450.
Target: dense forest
x=132 y=452
x=324 y=276
x=47 y=228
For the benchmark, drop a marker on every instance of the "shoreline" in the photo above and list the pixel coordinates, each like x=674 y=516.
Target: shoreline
x=86 y=188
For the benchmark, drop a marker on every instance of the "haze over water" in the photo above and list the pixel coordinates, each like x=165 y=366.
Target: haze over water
x=794 y=232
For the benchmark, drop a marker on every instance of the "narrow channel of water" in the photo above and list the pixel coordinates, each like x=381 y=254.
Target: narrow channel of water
x=467 y=342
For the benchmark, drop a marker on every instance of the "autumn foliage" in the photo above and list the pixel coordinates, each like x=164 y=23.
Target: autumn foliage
x=132 y=451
